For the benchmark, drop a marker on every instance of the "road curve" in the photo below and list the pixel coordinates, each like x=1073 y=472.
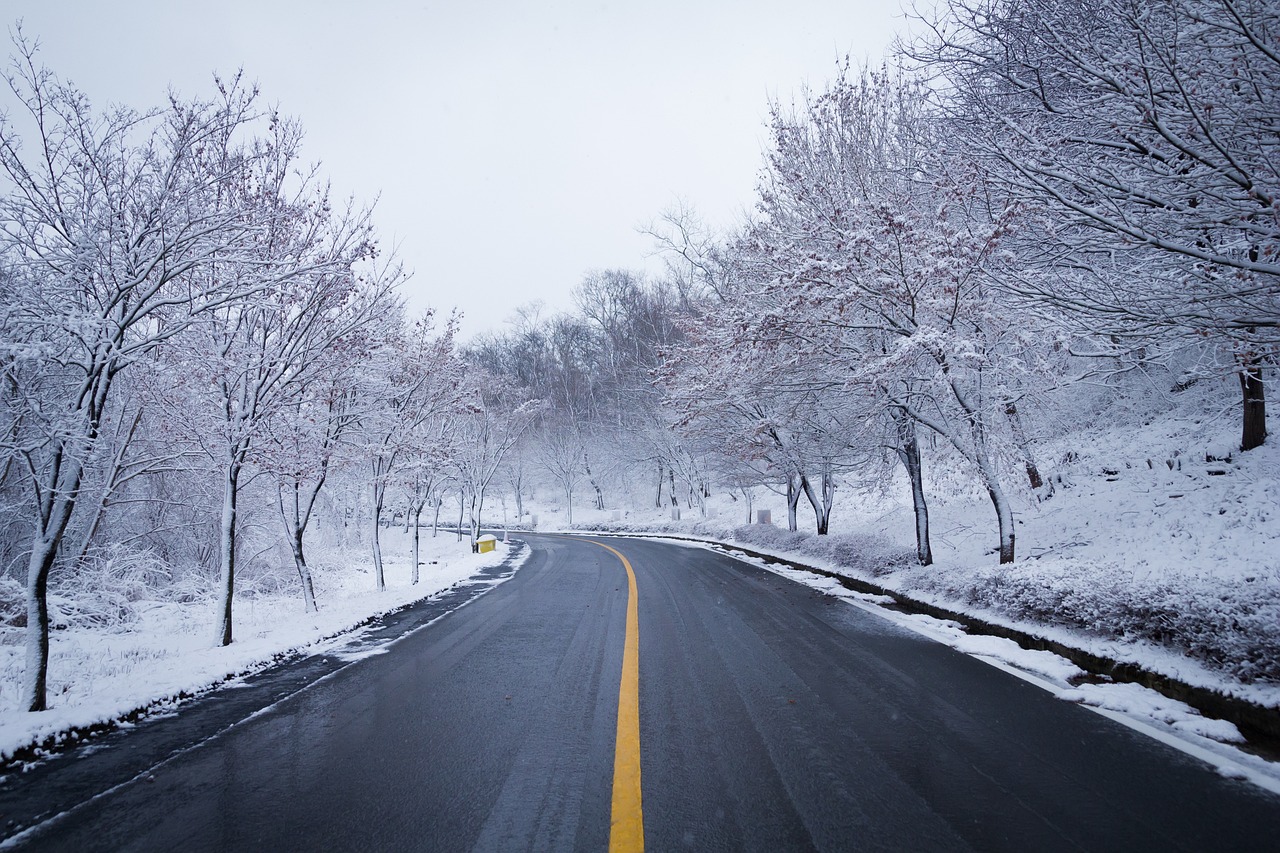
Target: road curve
x=771 y=718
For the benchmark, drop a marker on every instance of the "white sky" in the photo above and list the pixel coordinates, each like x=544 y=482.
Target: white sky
x=515 y=146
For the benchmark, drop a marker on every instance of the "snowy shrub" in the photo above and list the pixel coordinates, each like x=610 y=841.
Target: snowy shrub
x=13 y=606
x=103 y=590
x=1228 y=626
x=189 y=586
x=869 y=555
x=267 y=583
x=768 y=536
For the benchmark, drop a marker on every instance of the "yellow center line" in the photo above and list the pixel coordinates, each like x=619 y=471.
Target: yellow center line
x=626 y=829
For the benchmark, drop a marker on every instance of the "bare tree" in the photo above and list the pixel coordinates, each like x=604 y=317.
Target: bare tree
x=560 y=453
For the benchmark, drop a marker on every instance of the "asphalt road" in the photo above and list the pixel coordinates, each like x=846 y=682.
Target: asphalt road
x=771 y=718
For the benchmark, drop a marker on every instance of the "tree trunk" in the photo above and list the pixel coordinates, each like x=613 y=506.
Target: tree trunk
x=1024 y=446
x=1255 y=406
x=821 y=507
x=295 y=521
x=58 y=488
x=112 y=483
x=568 y=498
x=986 y=470
x=58 y=501
x=909 y=454
x=417 y=520
x=380 y=580
x=807 y=488
x=227 y=549
x=477 y=507
x=304 y=573
x=793 y=499
x=591 y=478
x=828 y=497
x=991 y=480
x=1005 y=516
x=37 y=672
x=661 y=471
x=435 y=521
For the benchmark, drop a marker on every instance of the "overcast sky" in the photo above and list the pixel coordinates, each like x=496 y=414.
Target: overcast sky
x=514 y=146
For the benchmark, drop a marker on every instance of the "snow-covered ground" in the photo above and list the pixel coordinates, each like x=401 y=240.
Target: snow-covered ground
x=168 y=650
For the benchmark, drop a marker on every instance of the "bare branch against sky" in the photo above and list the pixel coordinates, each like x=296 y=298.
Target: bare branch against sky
x=514 y=145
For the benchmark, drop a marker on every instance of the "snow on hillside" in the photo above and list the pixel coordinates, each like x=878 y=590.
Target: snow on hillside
x=99 y=674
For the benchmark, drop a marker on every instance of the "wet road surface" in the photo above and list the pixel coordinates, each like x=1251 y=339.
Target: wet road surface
x=771 y=718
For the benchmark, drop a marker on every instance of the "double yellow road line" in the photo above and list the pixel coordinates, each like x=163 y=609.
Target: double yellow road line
x=626 y=830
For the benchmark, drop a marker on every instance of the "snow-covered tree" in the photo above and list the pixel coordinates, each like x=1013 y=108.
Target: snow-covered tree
x=489 y=426
x=415 y=379
x=875 y=259
x=255 y=358
x=108 y=216
x=311 y=431
x=1146 y=131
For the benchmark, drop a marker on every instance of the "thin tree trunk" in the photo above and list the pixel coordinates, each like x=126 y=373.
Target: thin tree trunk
x=828 y=497
x=417 y=519
x=991 y=480
x=37 y=672
x=987 y=471
x=227 y=548
x=1005 y=516
x=1255 y=406
x=112 y=483
x=435 y=521
x=1024 y=446
x=821 y=507
x=591 y=478
x=909 y=453
x=379 y=492
x=477 y=507
x=793 y=499
x=304 y=574
x=295 y=520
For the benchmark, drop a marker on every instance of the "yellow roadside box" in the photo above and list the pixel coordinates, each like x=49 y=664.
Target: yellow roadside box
x=486 y=543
